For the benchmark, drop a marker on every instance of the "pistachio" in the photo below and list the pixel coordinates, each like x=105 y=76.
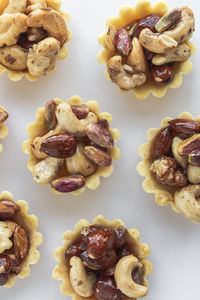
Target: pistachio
x=81 y=111
x=98 y=156
x=194 y=158
x=68 y=184
x=184 y=128
x=123 y=42
x=100 y=136
x=50 y=114
x=21 y=243
x=8 y=209
x=169 y=19
x=193 y=174
x=180 y=159
x=189 y=145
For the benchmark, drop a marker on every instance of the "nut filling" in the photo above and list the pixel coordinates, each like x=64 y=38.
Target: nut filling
x=149 y=48
x=103 y=264
x=14 y=241
x=175 y=157
x=77 y=144
x=31 y=37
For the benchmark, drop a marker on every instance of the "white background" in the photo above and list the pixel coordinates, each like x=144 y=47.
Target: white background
x=174 y=240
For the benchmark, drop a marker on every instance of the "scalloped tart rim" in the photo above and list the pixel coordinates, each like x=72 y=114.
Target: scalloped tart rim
x=30 y=223
x=38 y=128
x=163 y=194
x=61 y=271
x=18 y=75
x=128 y=14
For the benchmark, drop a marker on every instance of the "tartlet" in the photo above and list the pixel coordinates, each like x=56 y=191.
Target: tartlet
x=171 y=172
x=130 y=250
x=3 y=127
x=36 y=36
x=19 y=239
x=79 y=160
x=128 y=50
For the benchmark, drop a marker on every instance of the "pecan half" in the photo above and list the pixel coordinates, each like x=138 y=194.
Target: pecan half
x=167 y=172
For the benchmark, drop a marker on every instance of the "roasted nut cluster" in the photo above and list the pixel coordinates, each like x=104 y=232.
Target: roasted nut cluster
x=175 y=152
x=31 y=36
x=14 y=241
x=76 y=144
x=103 y=265
x=149 y=48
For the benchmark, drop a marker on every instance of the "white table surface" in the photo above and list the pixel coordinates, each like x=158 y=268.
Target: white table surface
x=174 y=240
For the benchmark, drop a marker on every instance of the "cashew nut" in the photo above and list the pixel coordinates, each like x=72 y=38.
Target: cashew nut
x=79 y=164
x=193 y=174
x=156 y=42
x=70 y=123
x=42 y=57
x=137 y=58
x=14 y=57
x=182 y=160
x=123 y=278
x=11 y=26
x=124 y=79
x=5 y=234
x=51 y=21
x=187 y=201
x=35 y=4
x=36 y=145
x=110 y=38
x=81 y=281
x=180 y=53
x=47 y=169
x=15 y=6
x=183 y=30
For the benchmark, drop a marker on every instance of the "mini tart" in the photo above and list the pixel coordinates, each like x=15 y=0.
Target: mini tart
x=61 y=271
x=39 y=128
x=127 y=15
x=30 y=224
x=163 y=194
x=18 y=75
x=3 y=130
